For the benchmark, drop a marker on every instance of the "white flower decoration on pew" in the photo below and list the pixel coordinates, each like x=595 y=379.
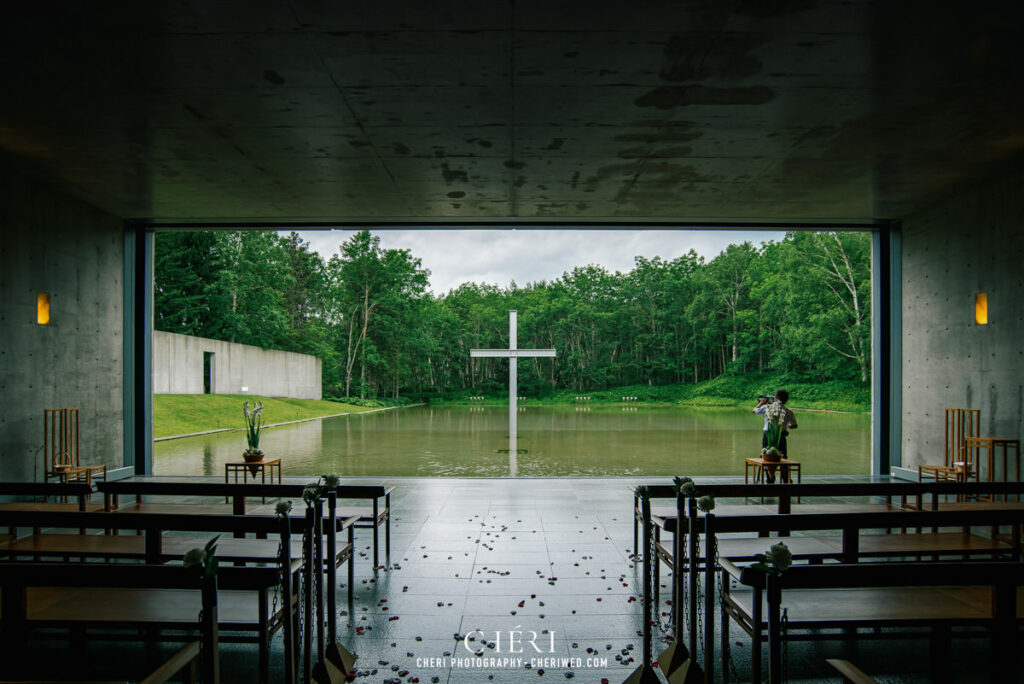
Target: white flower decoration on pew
x=777 y=560
x=204 y=558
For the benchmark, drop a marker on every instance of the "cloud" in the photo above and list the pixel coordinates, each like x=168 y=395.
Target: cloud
x=501 y=256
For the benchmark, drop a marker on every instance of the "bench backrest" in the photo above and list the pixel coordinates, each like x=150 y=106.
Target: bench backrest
x=182 y=487
x=843 y=489
x=1003 y=577
x=17 y=577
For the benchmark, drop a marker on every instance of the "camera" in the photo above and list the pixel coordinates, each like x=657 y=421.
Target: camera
x=766 y=397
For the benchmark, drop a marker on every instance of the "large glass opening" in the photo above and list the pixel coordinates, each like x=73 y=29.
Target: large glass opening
x=663 y=342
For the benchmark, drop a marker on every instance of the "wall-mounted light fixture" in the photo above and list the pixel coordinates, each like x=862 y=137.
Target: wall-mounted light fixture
x=981 y=308
x=43 y=308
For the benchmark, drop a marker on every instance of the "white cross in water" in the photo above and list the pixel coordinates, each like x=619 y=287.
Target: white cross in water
x=512 y=354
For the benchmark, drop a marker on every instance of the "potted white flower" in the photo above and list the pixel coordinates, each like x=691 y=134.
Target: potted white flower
x=253 y=427
x=776 y=414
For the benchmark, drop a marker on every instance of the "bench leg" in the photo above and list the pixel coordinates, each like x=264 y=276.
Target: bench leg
x=656 y=594
x=351 y=566
x=376 y=538
x=756 y=639
x=636 y=527
x=264 y=617
x=724 y=618
x=387 y=531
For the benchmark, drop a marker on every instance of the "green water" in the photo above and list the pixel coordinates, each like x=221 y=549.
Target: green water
x=553 y=442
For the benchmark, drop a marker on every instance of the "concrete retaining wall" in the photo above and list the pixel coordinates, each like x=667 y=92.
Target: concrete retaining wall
x=53 y=243
x=969 y=244
x=236 y=368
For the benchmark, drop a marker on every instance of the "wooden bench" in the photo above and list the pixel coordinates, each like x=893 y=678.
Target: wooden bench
x=852 y=545
x=375 y=516
x=915 y=495
x=847 y=546
x=32 y=592
x=247 y=608
x=861 y=599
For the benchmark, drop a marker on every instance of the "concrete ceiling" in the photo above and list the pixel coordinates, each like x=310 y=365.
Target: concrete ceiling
x=754 y=109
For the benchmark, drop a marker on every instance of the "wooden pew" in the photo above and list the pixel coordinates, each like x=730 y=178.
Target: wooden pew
x=916 y=495
x=873 y=595
x=373 y=517
x=850 y=547
x=239 y=612
x=48 y=594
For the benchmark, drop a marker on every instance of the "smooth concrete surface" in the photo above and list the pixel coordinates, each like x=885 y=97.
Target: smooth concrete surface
x=969 y=244
x=529 y=555
x=785 y=109
x=235 y=369
x=53 y=243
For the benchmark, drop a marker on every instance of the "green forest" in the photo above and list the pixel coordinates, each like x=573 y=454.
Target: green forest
x=796 y=310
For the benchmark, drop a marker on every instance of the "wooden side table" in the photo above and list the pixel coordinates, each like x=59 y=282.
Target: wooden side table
x=759 y=466
x=990 y=445
x=255 y=468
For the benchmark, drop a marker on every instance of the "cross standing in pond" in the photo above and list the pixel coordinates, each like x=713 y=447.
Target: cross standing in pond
x=512 y=354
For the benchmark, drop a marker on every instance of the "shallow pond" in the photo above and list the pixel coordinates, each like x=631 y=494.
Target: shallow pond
x=455 y=441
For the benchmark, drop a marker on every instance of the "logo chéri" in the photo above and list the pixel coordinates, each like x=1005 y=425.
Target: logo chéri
x=514 y=648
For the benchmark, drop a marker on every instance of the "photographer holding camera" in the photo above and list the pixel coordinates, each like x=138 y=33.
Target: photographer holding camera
x=787 y=422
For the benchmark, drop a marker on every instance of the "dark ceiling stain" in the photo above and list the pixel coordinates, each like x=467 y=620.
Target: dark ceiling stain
x=480 y=142
x=456 y=194
x=646 y=152
x=358 y=143
x=456 y=205
x=556 y=143
x=194 y=112
x=400 y=148
x=453 y=175
x=581 y=206
x=668 y=97
x=659 y=136
x=513 y=164
x=695 y=56
x=575 y=180
x=660 y=179
x=530 y=72
x=775 y=8
x=570 y=55
x=520 y=181
x=273 y=77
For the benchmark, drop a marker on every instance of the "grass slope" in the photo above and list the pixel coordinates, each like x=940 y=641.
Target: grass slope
x=734 y=390
x=182 y=414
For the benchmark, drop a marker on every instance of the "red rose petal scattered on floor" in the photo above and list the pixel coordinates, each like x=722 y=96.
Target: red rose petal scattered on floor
x=598 y=598
x=540 y=672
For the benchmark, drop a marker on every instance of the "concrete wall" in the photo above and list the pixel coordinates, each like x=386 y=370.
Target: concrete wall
x=971 y=243
x=178 y=368
x=57 y=244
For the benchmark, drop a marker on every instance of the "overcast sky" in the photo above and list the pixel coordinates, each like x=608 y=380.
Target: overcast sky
x=501 y=256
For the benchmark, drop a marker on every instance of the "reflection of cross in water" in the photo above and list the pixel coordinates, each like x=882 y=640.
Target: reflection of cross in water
x=512 y=354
